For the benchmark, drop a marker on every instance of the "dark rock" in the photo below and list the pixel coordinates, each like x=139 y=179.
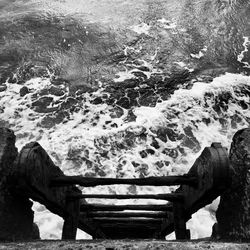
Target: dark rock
x=86 y=111
x=182 y=151
x=69 y=103
x=233 y=214
x=13 y=78
x=129 y=83
x=24 y=91
x=3 y=78
x=215 y=232
x=110 y=101
x=8 y=151
x=41 y=104
x=35 y=232
x=155 y=144
x=149 y=99
x=140 y=74
x=189 y=140
x=150 y=151
x=4 y=123
x=176 y=79
x=55 y=91
x=224 y=98
x=114 y=125
x=79 y=90
x=243 y=104
x=143 y=135
x=3 y=87
x=162 y=134
x=51 y=120
x=143 y=154
x=104 y=154
x=244 y=92
x=143 y=170
x=21 y=81
x=99 y=172
x=170 y=152
x=164 y=93
x=59 y=81
x=16 y=215
x=48 y=122
x=135 y=164
x=97 y=100
x=153 y=82
x=217 y=108
x=124 y=102
x=235 y=120
x=191 y=143
x=132 y=94
x=167 y=133
x=28 y=71
x=116 y=112
x=131 y=117
x=159 y=164
x=146 y=91
x=105 y=96
x=206 y=120
x=144 y=68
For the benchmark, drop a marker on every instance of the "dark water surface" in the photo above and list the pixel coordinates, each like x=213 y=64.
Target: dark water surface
x=124 y=88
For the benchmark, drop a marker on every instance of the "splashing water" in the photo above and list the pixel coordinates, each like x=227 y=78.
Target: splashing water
x=124 y=89
x=241 y=55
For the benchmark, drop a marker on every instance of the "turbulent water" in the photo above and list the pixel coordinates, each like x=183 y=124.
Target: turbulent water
x=125 y=88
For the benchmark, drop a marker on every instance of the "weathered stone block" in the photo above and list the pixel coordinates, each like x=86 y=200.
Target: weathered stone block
x=233 y=214
x=16 y=215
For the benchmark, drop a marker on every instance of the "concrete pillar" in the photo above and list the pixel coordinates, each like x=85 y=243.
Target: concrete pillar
x=16 y=215
x=233 y=214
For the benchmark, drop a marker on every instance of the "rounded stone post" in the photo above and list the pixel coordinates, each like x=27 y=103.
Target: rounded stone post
x=233 y=214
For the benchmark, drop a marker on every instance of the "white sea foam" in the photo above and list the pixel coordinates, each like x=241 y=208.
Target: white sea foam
x=200 y=54
x=188 y=104
x=240 y=57
x=141 y=28
x=123 y=76
x=167 y=24
x=183 y=65
x=186 y=107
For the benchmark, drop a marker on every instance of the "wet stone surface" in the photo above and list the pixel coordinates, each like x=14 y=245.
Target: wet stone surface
x=125 y=245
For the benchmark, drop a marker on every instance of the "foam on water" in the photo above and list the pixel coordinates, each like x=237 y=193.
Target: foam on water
x=200 y=54
x=188 y=102
x=141 y=28
x=167 y=24
x=80 y=148
x=240 y=57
